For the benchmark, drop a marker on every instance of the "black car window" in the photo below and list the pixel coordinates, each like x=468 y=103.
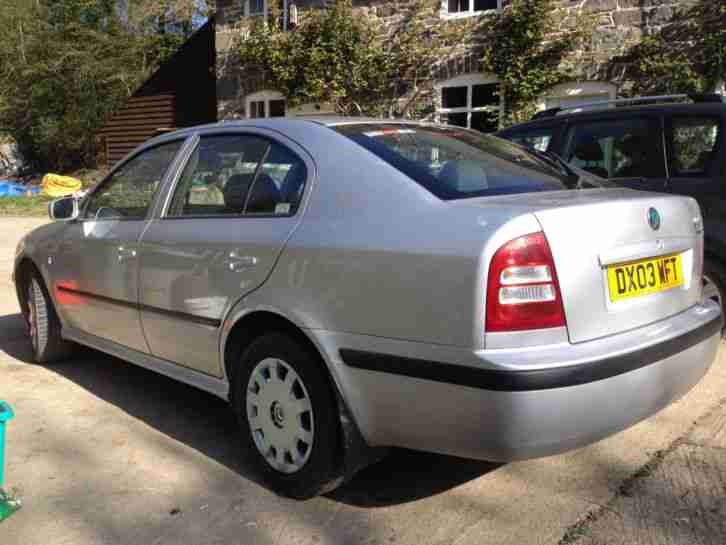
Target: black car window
x=130 y=190
x=620 y=148
x=693 y=145
x=456 y=163
x=230 y=175
x=535 y=138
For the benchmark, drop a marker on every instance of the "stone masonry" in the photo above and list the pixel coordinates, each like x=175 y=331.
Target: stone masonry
x=617 y=25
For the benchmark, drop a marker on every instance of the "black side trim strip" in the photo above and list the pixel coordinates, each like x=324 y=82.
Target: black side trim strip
x=211 y=322
x=523 y=381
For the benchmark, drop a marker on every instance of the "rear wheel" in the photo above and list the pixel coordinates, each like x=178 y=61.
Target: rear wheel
x=44 y=328
x=288 y=416
x=714 y=287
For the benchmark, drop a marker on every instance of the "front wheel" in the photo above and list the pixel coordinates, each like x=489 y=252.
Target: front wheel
x=288 y=416
x=44 y=328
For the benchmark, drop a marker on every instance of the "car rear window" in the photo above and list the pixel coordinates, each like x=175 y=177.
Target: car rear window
x=455 y=163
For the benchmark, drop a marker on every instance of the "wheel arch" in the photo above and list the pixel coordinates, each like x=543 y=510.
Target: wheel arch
x=254 y=324
x=25 y=268
x=356 y=453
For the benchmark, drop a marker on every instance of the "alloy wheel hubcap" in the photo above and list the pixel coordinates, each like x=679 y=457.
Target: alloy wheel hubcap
x=280 y=415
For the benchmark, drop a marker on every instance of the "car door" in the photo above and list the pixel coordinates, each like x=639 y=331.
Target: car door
x=96 y=264
x=627 y=150
x=696 y=169
x=234 y=206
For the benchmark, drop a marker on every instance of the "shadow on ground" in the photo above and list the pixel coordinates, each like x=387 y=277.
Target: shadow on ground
x=205 y=423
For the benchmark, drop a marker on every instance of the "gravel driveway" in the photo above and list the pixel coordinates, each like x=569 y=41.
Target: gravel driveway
x=103 y=452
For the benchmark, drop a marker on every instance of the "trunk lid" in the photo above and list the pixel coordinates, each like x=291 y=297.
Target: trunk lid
x=591 y=231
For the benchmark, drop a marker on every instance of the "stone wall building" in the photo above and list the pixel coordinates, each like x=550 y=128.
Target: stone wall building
x=464 y=94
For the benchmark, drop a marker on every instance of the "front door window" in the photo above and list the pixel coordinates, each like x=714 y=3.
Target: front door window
x=128 y=193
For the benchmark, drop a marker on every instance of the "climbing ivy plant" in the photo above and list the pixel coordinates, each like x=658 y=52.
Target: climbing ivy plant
x=361 y=66
x=525 y=55
x=687 y=55
x=354 y=62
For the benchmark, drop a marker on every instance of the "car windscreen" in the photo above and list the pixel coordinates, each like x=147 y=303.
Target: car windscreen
x=455 y=163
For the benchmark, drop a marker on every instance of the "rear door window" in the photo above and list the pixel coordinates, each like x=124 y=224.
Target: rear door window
x=694 y=143
x=240 y=174
x=619 y=148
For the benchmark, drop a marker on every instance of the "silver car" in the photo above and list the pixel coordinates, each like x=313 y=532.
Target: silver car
x=350 y=285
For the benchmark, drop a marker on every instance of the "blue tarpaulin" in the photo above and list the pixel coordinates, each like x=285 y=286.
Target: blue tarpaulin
x=10 y=189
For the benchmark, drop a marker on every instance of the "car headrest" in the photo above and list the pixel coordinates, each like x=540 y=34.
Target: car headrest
x=235 y=191
x=633 y=145
x=264 y=197
x=589 y=150
x=293 y=184
x=464 y=175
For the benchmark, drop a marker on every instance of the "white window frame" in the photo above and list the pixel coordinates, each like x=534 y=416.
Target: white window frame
x=469 y=13
x=265 y=96
x=588 y=91
x=266 y=11
x=468 y=81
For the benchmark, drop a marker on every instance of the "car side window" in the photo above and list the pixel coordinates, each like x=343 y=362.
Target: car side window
x=693 y=145
x=232 y=175
x=621 y=148
x=538 y=139
x=130 y=190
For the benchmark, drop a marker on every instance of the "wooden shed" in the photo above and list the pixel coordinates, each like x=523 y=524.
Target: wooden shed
x=181 y=93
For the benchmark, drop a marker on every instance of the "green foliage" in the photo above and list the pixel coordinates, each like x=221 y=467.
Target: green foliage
x=688 y=55
x=331 y=57
x=337 y=57
x=25 y=206
x=522 y=54
x=65 y=66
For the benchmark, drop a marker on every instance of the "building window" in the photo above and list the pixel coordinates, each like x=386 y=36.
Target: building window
x=471 y=101
x=574 y=95
x=261 y=10
x=266 y=104
x=462 y=8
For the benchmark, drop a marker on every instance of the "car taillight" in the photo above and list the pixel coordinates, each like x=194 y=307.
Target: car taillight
x=523 y=291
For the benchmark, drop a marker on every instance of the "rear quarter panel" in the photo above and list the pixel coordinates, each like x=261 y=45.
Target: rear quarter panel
x=376 y=254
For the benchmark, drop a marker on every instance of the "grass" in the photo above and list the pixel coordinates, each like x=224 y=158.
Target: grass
x=36 y=206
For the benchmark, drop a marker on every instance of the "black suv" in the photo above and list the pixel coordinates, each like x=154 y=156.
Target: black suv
x=670 y=148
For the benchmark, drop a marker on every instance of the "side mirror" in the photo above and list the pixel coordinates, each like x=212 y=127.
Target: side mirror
x=65 y=209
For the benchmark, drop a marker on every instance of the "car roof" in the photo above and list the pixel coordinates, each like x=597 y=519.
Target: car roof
x=279 y=124
x=621 y=111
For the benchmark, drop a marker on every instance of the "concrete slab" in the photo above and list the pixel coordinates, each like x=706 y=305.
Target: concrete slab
x=104 y=452
x=682 y=501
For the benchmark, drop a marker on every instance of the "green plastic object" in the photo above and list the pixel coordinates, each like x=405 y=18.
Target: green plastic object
x=6 y=413
x=8 y=504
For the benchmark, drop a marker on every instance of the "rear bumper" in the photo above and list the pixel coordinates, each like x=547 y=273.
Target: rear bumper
x=499 y=406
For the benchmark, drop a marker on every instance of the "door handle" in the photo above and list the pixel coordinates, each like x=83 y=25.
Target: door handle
x=238 y=263
x=124 y=253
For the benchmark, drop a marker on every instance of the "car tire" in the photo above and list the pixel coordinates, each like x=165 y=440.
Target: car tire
x=44 y=327
x=714 y=287
x=288 y=416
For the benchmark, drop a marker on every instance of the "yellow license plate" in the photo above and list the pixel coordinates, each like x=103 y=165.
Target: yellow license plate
x=644 y=277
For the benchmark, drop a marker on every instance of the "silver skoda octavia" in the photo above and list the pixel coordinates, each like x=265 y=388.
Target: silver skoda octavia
x=355 y=284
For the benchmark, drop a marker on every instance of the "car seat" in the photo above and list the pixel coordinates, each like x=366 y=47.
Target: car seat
x=588 y=150
x=293 y=184
x=464 y=176
x=637 y=148
x=263 y=196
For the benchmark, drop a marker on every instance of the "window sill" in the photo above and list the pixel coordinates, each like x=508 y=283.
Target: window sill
x=465 y=14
